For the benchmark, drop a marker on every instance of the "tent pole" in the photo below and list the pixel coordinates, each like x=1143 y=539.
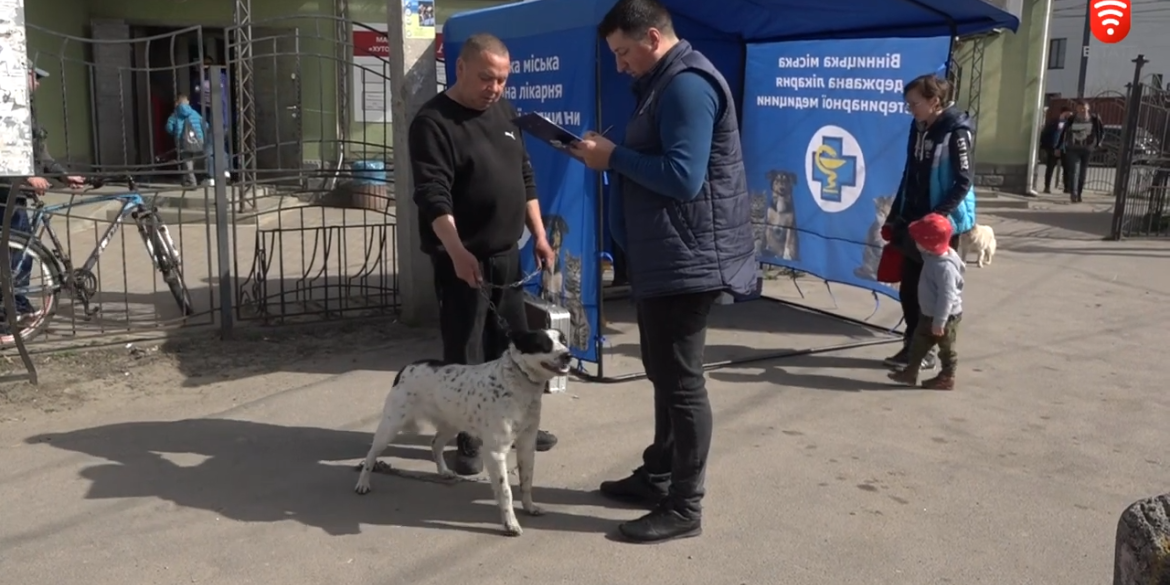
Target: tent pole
x=599 y=335
x=885 y=336
x=1041 y=102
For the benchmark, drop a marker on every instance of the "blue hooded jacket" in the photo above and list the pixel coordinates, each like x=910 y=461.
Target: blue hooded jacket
x=939 y=175
x=177 y=122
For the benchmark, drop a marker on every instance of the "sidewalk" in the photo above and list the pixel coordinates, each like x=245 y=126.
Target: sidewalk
x=231 y=463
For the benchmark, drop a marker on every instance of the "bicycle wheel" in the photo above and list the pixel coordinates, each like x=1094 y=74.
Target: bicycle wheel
x=42 y=266
x=166 y=257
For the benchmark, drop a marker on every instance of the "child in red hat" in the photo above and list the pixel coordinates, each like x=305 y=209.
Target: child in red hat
x=940 y=298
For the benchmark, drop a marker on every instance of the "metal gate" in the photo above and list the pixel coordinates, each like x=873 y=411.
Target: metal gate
x=1140 y=192
x=117 y=91
x=311 y=229
x=314 y=229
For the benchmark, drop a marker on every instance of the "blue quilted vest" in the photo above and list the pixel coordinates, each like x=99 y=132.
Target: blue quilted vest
x=705 y=244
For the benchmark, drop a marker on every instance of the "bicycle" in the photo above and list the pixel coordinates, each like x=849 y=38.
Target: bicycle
x=56 y=266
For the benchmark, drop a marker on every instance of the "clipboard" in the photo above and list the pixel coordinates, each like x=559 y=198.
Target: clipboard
x=546 y=131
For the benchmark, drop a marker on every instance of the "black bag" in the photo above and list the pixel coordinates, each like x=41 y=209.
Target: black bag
x=191 y=142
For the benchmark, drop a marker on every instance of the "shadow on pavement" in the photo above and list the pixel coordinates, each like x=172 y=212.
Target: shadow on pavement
x=255 y=472
x=783 y=373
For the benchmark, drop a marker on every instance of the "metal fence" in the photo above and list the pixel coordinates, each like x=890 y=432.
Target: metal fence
x=300 y=115
x=1143 y=171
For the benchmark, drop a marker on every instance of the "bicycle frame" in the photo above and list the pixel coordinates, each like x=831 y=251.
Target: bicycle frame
x=41 y=216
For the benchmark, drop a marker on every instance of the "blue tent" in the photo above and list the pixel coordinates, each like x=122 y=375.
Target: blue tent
x=561 y=70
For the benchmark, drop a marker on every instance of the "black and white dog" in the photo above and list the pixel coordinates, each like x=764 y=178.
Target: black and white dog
x=498 y=402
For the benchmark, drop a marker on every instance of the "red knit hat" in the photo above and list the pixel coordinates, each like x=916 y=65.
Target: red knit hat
x=933 y=233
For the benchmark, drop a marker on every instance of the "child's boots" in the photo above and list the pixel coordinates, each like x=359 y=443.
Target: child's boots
x=943 y=381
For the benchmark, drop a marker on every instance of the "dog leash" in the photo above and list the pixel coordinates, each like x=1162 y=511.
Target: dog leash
x=485 y=291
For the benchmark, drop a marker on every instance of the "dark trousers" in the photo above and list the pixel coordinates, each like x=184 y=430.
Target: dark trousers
x=908 y=293
x=1052 y=165
x=923 y=341
x=673 y=334
x=1076 y=166
x=470 y=330
x=22 y=264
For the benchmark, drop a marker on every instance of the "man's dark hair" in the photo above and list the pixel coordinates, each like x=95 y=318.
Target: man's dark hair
x=482 y=43
x=1080 y=103
x=634 y=18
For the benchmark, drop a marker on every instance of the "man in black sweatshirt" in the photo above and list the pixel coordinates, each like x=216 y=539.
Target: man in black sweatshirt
x=475 y=192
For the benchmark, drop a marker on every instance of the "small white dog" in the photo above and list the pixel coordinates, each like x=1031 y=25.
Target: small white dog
x=981 y=240
x=497 y=402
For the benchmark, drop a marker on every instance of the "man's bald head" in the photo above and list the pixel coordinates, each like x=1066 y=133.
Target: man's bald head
x=481 y=71
x=481 y=43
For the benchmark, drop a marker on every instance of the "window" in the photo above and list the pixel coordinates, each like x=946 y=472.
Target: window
x=1056 y=53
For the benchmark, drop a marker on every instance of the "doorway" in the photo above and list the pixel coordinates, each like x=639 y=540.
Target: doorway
x=168 y=62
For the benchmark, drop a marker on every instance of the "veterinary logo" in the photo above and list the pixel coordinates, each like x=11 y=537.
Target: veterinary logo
x=834 y=168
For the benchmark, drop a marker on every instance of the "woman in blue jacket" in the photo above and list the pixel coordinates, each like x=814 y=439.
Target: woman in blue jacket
x=186 y=126
x=939 y=178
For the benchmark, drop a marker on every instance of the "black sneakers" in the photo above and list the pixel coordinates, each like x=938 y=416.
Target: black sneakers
x=640 y=488
x=467 y=460
x=899 y=360
x=545 y=441
x=663 y=522
x=661 y=525
x=467 y=455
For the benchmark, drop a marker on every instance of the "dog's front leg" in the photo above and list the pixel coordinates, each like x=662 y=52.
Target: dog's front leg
x=526 y=461
x=497 y=467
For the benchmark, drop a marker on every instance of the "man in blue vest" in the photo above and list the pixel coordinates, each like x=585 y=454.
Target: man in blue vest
x=681 y=213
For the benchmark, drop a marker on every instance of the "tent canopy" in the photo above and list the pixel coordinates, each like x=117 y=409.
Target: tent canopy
x=755 y=21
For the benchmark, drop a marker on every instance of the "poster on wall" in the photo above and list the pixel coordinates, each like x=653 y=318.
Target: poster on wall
x=554 y=75
x=418 y=19
x=371 y=72
x=825 y=133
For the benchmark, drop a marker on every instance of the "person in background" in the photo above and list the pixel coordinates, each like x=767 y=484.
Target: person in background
x=1079 y=139
x=682 y=214
x=475 y=191
x=45 y=167
x=186 y=127
x=938 y=178
x=205 y=105
x=1049 y=136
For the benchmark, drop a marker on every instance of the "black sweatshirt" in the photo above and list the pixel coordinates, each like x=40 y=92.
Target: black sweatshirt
x=470 y=164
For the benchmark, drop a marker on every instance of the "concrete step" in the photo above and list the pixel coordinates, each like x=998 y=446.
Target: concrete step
x=191 y=207
x=992 y=200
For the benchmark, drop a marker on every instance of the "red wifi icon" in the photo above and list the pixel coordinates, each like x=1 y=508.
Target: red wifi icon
x=1109 y=19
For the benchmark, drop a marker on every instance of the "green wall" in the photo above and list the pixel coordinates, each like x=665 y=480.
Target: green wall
x=67 y=88
x=318 y=47
x=1010 y=88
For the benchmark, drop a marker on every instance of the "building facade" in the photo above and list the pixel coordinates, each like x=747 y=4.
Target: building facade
x=1110 y=66
x=1000 y=85
x=115 y=63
